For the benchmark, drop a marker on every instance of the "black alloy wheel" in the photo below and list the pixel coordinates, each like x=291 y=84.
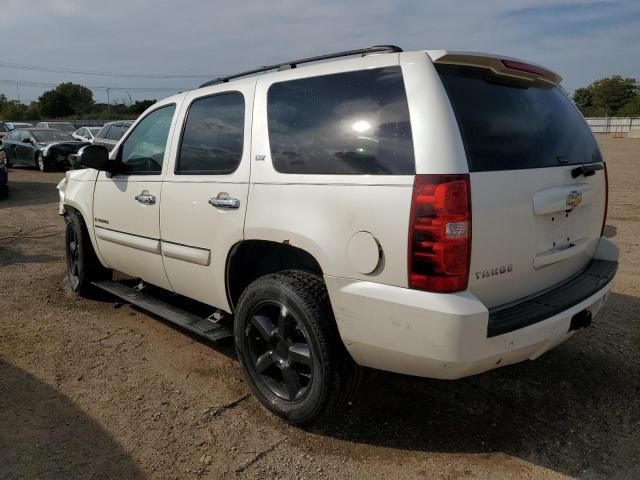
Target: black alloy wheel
x=279 y=351
x=74 y=260
x=290 y=349
x=83 y=265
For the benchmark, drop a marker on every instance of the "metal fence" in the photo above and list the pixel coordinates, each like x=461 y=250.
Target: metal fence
x=613 y=124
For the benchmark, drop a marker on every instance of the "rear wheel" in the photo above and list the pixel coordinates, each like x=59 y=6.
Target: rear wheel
x=289 y=347
x=3 y=156
x=83 y=266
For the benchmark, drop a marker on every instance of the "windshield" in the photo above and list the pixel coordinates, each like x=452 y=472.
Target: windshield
x=509 y=124
x=51 y=135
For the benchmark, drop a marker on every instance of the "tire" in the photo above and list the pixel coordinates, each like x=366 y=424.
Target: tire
x=42 y=163
x=4 y=155
x=290 y=350
x=83 y=266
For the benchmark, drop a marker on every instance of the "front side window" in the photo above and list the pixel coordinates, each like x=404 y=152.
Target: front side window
x=345 y=123
x=143 y=150
x=213 y=135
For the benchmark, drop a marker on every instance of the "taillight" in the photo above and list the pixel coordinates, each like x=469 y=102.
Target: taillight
x=606 y=198
x=440 y=233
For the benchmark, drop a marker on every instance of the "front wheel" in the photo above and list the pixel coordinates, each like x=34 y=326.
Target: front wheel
x=83 y=266
x=289 y=347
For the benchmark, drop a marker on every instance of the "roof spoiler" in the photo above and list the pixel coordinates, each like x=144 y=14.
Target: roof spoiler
x=500 y=65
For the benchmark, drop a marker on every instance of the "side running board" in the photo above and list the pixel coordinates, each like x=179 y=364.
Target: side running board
x=178 y=316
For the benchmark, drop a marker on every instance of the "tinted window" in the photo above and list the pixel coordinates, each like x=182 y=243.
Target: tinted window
x=347 y=123
x=116 y=132
x=103 y=131
x=143 y=150
x=509 y=124
x=213 y=135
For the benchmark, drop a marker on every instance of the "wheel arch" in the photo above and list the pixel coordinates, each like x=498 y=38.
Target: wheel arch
x=251 y=259
x=72 y=207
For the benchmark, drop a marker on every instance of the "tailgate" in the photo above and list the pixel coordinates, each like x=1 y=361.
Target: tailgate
x=538 y=188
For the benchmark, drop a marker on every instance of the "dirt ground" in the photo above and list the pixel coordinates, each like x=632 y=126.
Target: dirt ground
x=91 y=389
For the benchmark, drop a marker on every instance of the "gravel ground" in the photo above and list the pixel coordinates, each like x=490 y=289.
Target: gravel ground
x=92 y=389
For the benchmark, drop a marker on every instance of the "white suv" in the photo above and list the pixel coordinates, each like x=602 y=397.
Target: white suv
x=322 y=214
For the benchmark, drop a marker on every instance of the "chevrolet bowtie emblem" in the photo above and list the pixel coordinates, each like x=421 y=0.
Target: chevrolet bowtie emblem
x=574 y=199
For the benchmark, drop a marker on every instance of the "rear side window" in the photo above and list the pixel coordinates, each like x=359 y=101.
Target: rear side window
x=103 y=131
x=115 y=132
x=213 y=135
x=510 y=124
x=346 y=123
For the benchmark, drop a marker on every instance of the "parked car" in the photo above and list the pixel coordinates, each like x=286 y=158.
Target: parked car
x=64 y=126
x=4 y=175
x=431 y=213
x=86 y=134
x=111 y=132
x=44 y=148
x=14 y=125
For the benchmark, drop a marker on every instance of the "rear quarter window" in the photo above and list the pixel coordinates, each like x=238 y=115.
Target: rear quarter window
x=510 y=124
x=345 y=123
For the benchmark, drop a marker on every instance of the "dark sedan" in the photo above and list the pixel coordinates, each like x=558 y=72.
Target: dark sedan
x=44 y=148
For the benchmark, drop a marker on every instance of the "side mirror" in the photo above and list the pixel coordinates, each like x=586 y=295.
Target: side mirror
x=95 y=156
x=27 y=140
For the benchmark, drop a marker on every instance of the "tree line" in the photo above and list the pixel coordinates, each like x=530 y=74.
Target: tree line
x=69 y=100
x=614 y=96
x=608 y=97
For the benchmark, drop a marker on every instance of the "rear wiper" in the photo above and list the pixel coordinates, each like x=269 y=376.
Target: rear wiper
x=586 y=170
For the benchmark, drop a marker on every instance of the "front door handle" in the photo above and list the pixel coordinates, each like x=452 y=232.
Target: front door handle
x=146 y=198
x=224 y=202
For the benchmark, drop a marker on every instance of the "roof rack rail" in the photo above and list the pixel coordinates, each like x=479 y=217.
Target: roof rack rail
x=295 y=63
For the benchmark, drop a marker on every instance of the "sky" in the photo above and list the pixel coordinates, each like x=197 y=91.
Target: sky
x=582 y=40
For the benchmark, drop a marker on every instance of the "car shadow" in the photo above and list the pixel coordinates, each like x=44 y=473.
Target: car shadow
x=10 y=256
x=574 y=410
x=25 y=193
x=43 y=434
x=610 y=231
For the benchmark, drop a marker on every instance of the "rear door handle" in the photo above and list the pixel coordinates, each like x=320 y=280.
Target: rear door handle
x=224 y=202
x=146 y=198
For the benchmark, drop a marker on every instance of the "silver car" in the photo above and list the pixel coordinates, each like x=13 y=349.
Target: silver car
x=111 y=132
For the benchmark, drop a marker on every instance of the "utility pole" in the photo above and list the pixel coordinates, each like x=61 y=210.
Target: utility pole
x=108 y=101
x=18 y=89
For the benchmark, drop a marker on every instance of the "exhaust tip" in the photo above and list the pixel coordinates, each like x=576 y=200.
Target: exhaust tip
x=581 y=320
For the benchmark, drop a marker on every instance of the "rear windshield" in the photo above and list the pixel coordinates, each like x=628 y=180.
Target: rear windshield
x=51 y=135
x=509 y=124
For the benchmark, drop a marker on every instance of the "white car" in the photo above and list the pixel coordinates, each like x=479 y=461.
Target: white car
x=432 y=213
x=86 y=134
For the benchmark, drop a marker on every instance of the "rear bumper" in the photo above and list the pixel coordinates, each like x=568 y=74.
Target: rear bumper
x=442 y=335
